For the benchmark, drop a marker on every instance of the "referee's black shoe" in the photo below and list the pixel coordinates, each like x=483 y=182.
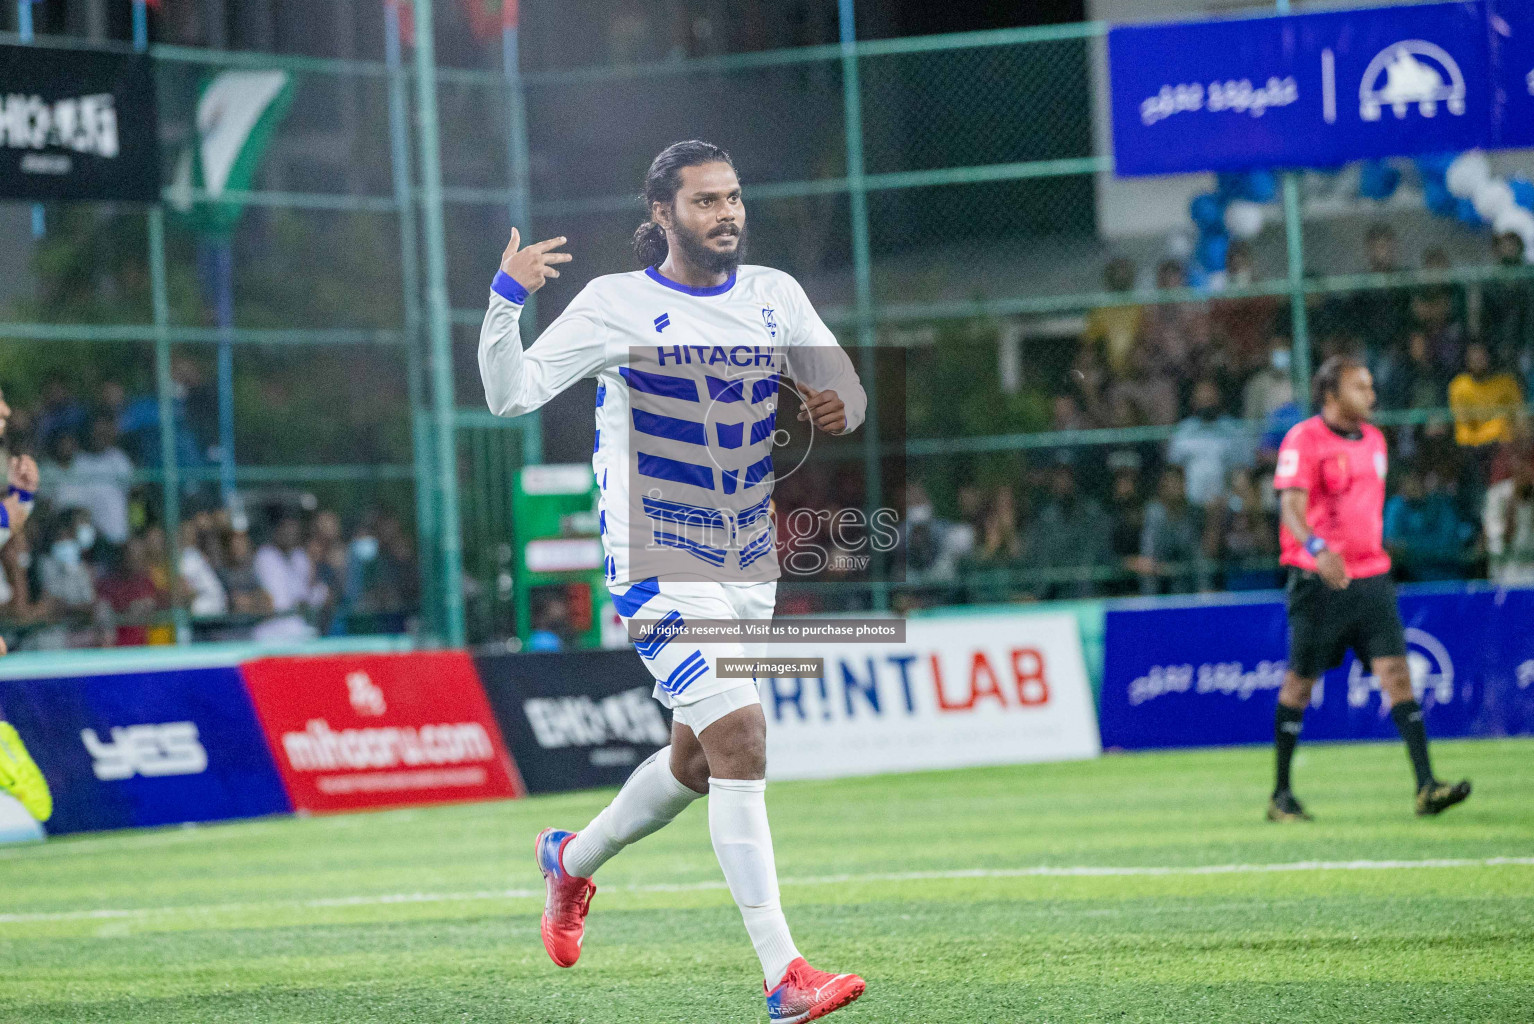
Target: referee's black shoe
x=1284 y=807
x=1437 y=797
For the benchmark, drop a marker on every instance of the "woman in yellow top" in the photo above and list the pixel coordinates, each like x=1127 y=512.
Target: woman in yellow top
x=1484 y=404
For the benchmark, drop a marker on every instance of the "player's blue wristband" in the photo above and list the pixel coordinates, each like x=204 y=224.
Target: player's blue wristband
x=1314 y=546
x=25 y=497
x=5 y=518
x=508 y=288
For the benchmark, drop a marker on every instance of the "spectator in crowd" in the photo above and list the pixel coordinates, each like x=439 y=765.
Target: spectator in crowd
x=1380 y=315
x=1177 y=333
x=1439 y=313
x=1244 y=536
x=327 y=553
x=67 y=581
x=1271 y=387
x=1423 y=533
x=1408 y=377
x=1069 y=543
x=933 y=546
x=1171 y=556
x=205 y=592
x=1243 y=326
x=1146 y=395
x=1508 y=520
x=98 y=479
x=246 y=594
x=1115 y=329
x=286 y=574
x=1486 y=404
x=1208 y=445
x=61 y=413
x=551 y=621
x=135 y=598
x=1507 y=310
x=1126 y=510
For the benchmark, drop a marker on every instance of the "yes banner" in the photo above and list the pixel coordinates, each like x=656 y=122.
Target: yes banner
x=357 y=731
x=151 y=748
x=967 y=690
x=1321 y=89
x=575 y=719
x=1208 y=674
x=77 y=125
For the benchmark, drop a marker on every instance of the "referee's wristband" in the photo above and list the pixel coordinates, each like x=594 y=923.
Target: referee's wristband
x=1314 y=546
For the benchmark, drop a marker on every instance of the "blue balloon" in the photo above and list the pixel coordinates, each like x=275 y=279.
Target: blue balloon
x=1212 y=252
x=1523 y=192
x=1464 y=209
x=1261 y=186
x=1377 y=180
x=1208 y=212
x=1439 y=200
x=1435 y=165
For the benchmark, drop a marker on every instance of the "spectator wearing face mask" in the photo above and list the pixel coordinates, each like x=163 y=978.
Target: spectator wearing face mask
x=1208 y=445
x=1271 y=387
x=67 y=581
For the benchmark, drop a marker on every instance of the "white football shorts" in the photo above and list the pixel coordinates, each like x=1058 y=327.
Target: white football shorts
x=684 y=669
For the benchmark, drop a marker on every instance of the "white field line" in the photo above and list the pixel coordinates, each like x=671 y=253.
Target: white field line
x=107 y=914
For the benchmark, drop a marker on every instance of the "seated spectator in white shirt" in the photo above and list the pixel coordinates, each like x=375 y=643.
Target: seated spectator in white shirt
x=204 y=590
x=96 y=479
x=287 y=576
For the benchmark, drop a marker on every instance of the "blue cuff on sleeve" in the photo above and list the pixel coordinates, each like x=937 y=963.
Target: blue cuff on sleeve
x=507 y=288
x=25 y=497
x=5 y=518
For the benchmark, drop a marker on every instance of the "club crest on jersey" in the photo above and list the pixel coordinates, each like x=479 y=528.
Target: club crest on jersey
x=770 y=321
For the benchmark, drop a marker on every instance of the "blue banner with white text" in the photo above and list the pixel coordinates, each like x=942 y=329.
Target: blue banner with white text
x=1208 y=674
x=151 y=748
x=1323 y=89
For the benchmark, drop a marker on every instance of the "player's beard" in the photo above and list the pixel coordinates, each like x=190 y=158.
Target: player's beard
x=696 y=251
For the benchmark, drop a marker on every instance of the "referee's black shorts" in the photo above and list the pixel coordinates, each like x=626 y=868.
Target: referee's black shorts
x=1324 y=623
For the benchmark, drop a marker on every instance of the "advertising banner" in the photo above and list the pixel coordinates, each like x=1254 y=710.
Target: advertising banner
x=1204 y=675
x=969 y=690
x=357 y=731
x=576 y=719
x=77 y=125
x=1308 y=90
x=1512 y=61
x=150 y=748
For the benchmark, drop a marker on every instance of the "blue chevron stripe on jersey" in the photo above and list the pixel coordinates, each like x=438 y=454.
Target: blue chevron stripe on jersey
x=669 y=427
x=684 y=514
x=711 y=555
x=683 y=676
x=758 y=471
x=662 y=384
x=677 y=472
x=636 y=596
x=659 y=635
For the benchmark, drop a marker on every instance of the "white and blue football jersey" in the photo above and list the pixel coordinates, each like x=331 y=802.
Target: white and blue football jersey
x=687 y=392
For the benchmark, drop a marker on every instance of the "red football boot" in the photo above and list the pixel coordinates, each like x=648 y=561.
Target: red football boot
x=808 y=994
x=568 y=902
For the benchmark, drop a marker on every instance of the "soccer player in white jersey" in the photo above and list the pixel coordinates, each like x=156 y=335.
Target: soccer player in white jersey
x=19 y=775
x=713 y=335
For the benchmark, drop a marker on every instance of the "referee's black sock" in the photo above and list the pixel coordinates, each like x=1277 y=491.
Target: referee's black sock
x=1286 y=733
x=1408 y=719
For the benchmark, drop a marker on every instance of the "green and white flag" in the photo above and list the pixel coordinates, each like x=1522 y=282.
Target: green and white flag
x=237 y=114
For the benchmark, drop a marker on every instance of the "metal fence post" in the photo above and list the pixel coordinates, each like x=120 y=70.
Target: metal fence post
x=1294 y=231
x=450 y=539
x=410 y=279
x=521 y=200
x=862 y=272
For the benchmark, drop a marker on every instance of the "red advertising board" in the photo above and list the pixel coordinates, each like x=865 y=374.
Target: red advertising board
x=357 y=731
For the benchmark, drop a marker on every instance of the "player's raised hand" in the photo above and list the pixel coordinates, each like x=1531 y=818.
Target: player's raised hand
x=532 y=266
x=825 y=408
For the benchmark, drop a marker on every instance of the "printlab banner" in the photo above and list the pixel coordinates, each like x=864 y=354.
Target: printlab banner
x=962 y=691
x=577 y=719
x=150 y=748
x=77 y=125
x=1207 y=675
x=357 y=731
x=1319 y=90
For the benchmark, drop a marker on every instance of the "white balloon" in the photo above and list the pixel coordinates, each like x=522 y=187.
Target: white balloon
x=1493 y=198
x=1467 y=174
x=1514 y=220
x=1179 y=246
x=1244 y=219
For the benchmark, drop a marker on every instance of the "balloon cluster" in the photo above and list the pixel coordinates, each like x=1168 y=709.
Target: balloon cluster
x=1234 y=210
x=1461 y=186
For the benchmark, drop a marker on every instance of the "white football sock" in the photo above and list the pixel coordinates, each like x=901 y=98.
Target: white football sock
x=648 y=801
x=737 y=822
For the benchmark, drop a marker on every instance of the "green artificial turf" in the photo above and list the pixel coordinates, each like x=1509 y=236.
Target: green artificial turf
x=925 y=884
